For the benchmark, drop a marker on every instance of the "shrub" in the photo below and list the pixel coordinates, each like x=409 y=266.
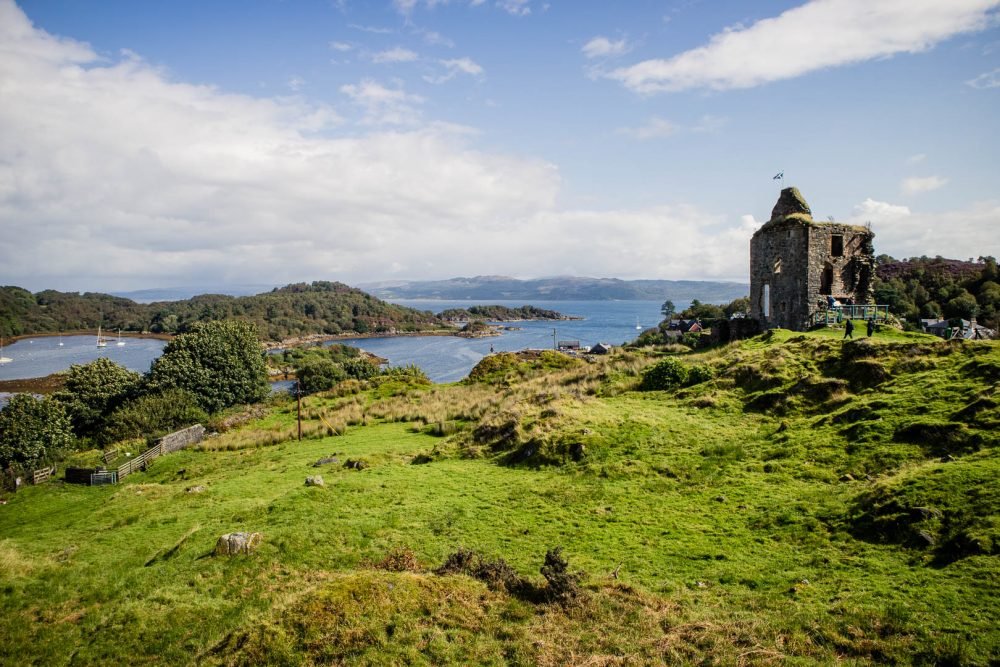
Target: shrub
x=495 y=573
x=700 y=373
x=319 y=375
x=32 y=431
x=666 y=374
x=152 y=415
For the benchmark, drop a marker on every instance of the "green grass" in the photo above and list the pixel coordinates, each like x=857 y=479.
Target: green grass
x=707 y=529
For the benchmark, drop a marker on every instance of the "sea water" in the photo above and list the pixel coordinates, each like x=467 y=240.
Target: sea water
x=449 y=358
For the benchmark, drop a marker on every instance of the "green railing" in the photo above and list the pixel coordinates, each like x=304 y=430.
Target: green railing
x=838 y=314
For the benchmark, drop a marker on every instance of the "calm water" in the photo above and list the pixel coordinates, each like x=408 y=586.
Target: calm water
x=443 y=358
x=447 y=358
x=38 y=357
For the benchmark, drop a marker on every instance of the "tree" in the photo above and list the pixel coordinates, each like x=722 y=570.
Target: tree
x=741 y=305
x=32 y=431
x=93 y=391
x=703 y=311
x=318 y=374
x=221 y=363
x=668 y=309
x=963 y=306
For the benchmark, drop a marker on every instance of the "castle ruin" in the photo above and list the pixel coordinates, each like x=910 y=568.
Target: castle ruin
x=797 y=263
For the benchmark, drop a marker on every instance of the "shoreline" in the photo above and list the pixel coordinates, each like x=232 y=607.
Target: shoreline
x=89 y=332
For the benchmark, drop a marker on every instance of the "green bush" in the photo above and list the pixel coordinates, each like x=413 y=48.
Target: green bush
x=319 y=374
x=666 y=374
x=699 y=374
x=153 y=415
x=32 y=431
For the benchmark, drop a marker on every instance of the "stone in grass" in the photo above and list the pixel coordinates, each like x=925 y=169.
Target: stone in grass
x=232 y=544
x=315 y=480
x=325 y=460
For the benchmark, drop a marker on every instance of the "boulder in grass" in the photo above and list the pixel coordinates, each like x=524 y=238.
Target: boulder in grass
x=315 y=480
x=232 y=544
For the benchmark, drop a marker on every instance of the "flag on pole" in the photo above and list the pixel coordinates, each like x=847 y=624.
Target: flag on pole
x=780 y=175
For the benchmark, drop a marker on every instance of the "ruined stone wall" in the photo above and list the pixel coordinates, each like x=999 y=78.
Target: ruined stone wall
x=842 y=269
x=797 y=262
x=181 y=439
x=779 y=260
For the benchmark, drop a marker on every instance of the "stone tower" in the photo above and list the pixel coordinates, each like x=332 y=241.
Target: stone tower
x=797 y=262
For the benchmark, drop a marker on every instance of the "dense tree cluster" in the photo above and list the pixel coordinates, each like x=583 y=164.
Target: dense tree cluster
x=932 y=288
x=320 y=368
x=294 y=310
x=214 y=366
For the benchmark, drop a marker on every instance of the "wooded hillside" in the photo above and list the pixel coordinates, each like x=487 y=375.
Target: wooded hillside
x=294 y=310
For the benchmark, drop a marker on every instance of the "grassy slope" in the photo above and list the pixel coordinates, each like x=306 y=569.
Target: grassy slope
x=747 y=535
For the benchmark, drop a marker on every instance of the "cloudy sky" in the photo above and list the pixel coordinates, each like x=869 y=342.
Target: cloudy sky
x=170 y=143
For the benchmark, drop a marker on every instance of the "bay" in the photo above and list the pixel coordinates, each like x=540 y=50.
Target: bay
x=449 y=358
x=41 y=356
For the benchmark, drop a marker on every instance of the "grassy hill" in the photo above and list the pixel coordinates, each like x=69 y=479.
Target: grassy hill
x=808 y=501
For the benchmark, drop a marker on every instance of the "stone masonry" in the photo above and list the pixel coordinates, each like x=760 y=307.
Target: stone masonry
x=797 y=262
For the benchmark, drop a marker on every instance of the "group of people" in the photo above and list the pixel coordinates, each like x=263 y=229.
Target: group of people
x=849 y=328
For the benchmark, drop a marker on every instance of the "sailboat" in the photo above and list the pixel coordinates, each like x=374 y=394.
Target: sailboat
x=120 y=341
x=101 y=342
x=60 y=339
x=638 y=327
x=3 y=359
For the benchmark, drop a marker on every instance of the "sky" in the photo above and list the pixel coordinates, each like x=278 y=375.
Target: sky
x=169 y=143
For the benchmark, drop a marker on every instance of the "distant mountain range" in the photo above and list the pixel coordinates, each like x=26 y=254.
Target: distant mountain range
x=562 y=288
x=182 y=293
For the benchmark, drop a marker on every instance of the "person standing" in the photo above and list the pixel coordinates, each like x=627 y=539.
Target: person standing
x=849 y=329
x=871 y=326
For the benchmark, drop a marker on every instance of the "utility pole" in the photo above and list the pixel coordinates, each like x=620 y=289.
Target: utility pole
x=298 y=399
x=554 y=345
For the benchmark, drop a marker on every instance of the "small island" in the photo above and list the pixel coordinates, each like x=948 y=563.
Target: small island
x=497 y=313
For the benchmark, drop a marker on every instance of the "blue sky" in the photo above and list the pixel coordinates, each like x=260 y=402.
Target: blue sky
x=175 y=143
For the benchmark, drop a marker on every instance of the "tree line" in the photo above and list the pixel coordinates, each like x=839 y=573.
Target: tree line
x=294 y=310
x=939 y=288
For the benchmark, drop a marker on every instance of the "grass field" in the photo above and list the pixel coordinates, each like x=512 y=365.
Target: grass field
x=809 y=503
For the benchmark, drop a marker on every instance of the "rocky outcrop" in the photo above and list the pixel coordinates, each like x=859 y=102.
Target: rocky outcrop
x=232 y=544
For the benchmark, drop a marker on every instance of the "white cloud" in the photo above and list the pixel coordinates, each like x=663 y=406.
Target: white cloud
x=661 y=128
x=654 y=128
x=382 y=105
x=515 y=7
x=435 y=38
x=602 y=47
x=113 y=176
x=375 y=30
x=916 y=159
x=901 y=232
x=454 y=67
x=394 y=55
x=343 y=47
x=986 y=80
x=295 y=83
x=918 y=184
x=816 y=35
